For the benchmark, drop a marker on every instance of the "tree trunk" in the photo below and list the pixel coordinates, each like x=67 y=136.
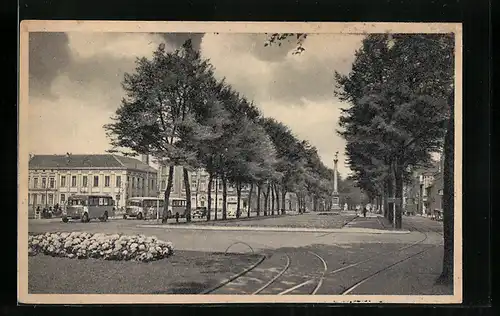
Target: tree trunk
x=283 y=199
x=266 y=199
x=197 y=189
x=209 y=193
x=224 y=197
x=398 y=174
x=259 y=192
x=250 y=200
x=379 y=203
x=385 y=201
x=238 y=197
x=216 y=197
x=390 y=194
x=448 y=203
x=187 y=214
x=170 y=179
x=277 y=196
x=272 y=199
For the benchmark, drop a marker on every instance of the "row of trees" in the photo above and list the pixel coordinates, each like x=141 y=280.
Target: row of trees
x=400 y=93
x=178 y=112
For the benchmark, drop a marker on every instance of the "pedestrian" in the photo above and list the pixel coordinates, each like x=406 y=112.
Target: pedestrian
x=38 y=210
x=365 y=209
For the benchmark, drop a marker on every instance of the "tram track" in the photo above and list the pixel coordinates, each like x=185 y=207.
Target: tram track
x=373 y=275
x=318 y=280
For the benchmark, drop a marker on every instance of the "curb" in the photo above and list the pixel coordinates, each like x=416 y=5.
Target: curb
x=280 y=229
x=226 y=281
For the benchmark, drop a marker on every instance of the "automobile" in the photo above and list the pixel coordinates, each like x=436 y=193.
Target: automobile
x=199 y=212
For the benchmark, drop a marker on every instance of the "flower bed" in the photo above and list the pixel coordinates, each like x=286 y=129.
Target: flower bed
x=109 y=247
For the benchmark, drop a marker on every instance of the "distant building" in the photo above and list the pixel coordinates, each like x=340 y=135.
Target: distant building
x=424 y=194
x=198 y=181
x=53 y=178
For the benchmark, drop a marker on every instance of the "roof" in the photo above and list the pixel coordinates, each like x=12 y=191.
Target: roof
x=87 y=161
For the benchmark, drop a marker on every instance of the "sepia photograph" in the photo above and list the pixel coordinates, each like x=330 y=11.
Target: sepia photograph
x=226 y=162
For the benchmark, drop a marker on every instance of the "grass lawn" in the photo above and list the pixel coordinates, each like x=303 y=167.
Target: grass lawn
x=186 y=272
x=309 y=220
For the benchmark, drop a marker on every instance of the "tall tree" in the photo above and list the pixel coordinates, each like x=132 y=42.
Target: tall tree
x=424 y=65
x=155 y=115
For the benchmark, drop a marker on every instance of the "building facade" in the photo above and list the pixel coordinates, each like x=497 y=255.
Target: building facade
x=424 y=194
x=54 y=178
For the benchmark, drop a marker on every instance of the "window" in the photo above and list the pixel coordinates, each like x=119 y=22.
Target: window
x=51 y=198
x=35 y=183
x=96 y=181
x=118 y=181
x=73 y=181
x=143 y=181
x=35 y=199
x=44 y=183
x=63 y=198
x=63 y=181
x=152 y=183
x=118 y=198
x=85 y=182
x=51 y=183
x=202 y=184
x=43 y=199
x=220 y=186
x=133 y=182
x=106 y=181
x=163 y=185
x=177 y=203
x=29 y=199
x=93 y=201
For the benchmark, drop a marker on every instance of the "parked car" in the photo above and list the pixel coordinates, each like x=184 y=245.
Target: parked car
x=199 y=212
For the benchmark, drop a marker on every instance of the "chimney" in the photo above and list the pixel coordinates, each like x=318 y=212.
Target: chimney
x=145 y=159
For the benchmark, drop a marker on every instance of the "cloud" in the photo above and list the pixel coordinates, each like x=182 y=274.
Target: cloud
x=178 y=39
x=49 y=54
x=75 y=82
x=274 y=73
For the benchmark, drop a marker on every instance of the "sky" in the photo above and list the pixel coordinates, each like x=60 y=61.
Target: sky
x=75 y=83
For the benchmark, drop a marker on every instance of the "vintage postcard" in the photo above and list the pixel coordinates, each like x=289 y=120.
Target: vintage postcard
x=197 y=162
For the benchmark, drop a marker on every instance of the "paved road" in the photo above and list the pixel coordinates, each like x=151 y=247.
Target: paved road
x=308 y=262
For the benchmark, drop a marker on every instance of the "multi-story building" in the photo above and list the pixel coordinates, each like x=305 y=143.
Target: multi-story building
x=423 y=194
x=198 y=181
x=53 y=178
